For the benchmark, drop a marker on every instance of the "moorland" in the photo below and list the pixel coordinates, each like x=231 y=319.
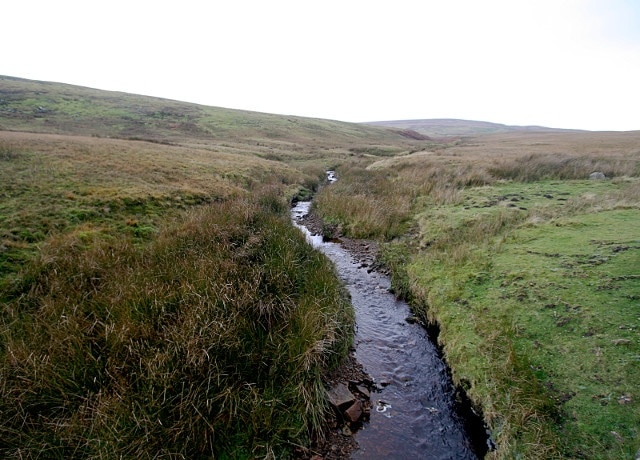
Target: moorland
x=156 y=300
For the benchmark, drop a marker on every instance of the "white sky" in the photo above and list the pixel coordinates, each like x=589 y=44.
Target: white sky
x=558 y=63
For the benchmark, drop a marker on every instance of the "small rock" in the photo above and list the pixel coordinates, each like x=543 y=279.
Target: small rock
x=363 y=391
x=411 y=319
x=617 y=436
x=354 y=412
x=340 y=396
x=625 y=399
x=598 y=175
x=382 y=406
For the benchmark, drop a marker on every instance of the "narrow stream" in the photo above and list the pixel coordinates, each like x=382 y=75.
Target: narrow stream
x=414 y=415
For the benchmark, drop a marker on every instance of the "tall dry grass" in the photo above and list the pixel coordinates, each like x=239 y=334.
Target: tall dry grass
x=359 y=205
x=209 y=342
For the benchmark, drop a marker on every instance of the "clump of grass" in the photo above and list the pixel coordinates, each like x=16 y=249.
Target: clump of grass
x=209 y=341
x=368 y=212
x=537 y=167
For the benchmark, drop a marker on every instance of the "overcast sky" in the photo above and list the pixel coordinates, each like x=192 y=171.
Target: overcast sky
x=557 y=63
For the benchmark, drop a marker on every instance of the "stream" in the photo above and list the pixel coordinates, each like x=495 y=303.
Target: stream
x=414 y=413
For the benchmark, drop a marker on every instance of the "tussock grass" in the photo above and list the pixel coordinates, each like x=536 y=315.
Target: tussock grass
x=356 y=204
x=527 y=268
x=209 y=341
x=156 y=300
x=536 y=167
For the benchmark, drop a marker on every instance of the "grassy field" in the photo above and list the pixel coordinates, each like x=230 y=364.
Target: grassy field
x=56 y=183
x=117 y=162
x=530 y=270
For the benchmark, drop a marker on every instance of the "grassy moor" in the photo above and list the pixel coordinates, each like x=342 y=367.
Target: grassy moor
x=157 y=302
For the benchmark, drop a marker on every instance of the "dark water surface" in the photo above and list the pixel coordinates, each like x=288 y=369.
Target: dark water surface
x=414 y=415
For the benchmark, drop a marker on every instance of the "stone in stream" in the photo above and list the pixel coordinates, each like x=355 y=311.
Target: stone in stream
x=363 y=391
x=351 y=402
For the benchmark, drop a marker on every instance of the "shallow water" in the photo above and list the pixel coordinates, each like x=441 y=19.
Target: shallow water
x=414 y=414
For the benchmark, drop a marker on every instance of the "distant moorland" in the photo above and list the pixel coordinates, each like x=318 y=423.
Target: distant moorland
x=156 y=300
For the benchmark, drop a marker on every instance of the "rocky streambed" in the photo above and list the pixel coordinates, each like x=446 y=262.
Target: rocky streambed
x=394 y=397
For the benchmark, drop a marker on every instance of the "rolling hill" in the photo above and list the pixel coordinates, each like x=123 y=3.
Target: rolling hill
x=445 y=127
x=57 y=108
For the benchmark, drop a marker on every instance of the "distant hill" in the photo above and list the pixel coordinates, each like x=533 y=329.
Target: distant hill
x=445 y=127
x=57 y=108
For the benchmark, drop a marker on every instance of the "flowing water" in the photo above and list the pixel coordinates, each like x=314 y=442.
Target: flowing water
x=414 y=414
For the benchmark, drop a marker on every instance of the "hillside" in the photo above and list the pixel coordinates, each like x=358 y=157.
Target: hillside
x=57 y=108
x=89 y=150
x=444 y=127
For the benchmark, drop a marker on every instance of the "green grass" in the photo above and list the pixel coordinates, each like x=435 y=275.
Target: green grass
x=581 y=285
x=156 y=300
x=538 y=312
x=53 y=184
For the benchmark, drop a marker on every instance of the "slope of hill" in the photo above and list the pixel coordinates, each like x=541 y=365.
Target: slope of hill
x=444 y=127
x=47 y=107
